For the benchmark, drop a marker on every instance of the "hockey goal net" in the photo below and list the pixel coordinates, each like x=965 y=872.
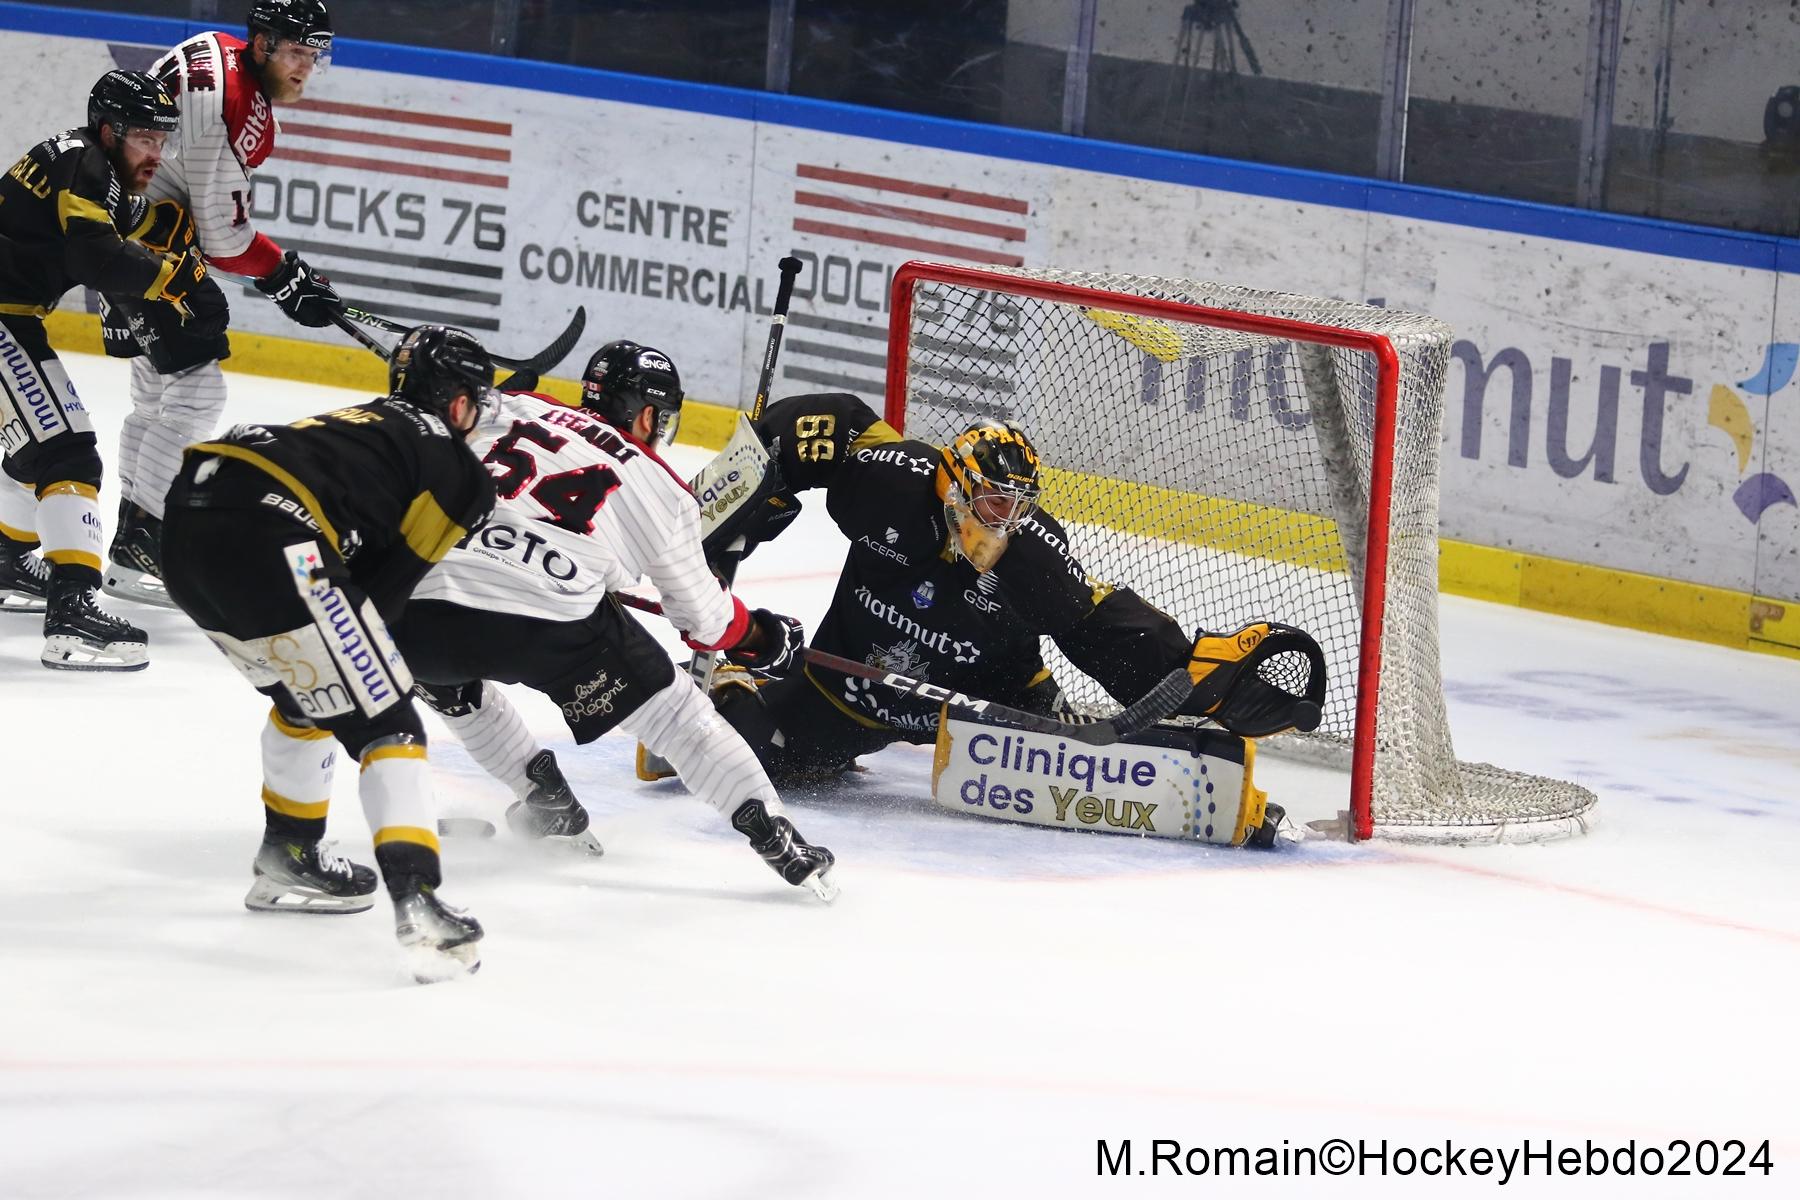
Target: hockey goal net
x=1237 y=455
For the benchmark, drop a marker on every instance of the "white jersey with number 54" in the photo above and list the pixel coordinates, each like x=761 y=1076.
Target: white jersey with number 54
x=583 y=509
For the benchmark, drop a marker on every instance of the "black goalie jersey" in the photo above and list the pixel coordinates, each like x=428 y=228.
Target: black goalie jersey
x=907 y=602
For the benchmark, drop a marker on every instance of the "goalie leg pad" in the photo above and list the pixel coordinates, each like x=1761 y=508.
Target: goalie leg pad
x=1166 y=781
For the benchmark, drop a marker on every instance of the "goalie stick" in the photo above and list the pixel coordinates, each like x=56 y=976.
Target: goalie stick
x=1146 y=711
x=700 y=666
x=537 y=364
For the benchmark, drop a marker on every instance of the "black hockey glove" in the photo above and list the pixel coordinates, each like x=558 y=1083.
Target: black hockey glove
x=303 y=294
x=194 y=295
x=772 y=647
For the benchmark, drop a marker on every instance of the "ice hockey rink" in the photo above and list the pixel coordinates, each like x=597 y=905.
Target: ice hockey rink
x=982 y=1005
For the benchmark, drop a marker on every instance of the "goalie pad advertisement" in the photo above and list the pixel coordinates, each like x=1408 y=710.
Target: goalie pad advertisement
x=1167 y=782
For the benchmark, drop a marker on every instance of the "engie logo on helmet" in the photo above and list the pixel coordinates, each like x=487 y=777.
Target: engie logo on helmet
x=650 y=360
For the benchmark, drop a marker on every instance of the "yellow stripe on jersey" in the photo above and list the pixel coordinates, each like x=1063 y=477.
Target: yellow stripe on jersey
x=70 y=207
x=428 y=529
x=878 y=434
x=403 y=750
x=286 y=478
x=300 y=733
x=304 y=810
x=27 y=310
x=412 y=834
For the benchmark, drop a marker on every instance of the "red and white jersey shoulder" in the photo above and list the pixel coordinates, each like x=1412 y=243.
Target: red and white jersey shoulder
x=228 y=128
x=583 y=509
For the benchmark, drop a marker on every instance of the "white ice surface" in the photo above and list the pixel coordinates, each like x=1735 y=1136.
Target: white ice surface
x=982 y=1003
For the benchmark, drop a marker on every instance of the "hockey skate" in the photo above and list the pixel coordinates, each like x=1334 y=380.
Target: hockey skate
x=24 y=581
x=437 y=942
x=1264 y=836
x=550 y=813
x=310 y=877
x=134 y=561
x=78 y=636
x=790 y=856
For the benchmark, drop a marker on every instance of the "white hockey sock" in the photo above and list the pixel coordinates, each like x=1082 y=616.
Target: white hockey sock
x=187 y=411
x=714 y=761
x=68 y=524
x=395 y=787
x=297 y=762
x=18 y=510
x=496 y=737
x=146 y=409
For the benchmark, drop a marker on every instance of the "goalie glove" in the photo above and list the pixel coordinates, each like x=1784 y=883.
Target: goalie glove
x=772 y=647
x=1261 y=680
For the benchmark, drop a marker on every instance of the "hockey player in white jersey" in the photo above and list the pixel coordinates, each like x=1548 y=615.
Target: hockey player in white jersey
x=201 y=198
x=587 y=508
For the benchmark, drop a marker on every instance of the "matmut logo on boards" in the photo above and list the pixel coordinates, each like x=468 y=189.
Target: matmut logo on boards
x=856 y=228
x=403 y=208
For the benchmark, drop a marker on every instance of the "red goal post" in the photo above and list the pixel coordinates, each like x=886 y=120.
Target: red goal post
x=1232 y=455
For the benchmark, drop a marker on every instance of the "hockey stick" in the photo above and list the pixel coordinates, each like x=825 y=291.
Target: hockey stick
x=537 y=364
x=1152 y=707
x=1146 y=711
x=344 y=323
x=700 y=666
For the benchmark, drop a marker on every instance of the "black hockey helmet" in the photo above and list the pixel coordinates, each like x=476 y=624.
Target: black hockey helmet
x=434 y=364
x=988 y=481
x=132 y=100
x=992 y=469
x=624 y=378
x=305 y=21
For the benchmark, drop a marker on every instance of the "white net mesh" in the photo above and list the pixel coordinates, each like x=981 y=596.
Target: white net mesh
x=1225 y=476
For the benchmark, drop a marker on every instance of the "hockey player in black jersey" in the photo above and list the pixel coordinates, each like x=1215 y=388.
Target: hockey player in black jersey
x=69 y=211
x=953 y=574
x=293 y=547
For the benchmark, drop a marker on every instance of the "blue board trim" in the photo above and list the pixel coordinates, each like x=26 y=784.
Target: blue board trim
x=1668 y=238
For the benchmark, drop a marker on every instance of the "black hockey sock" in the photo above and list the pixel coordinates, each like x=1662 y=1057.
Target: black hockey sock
x=72 y=577
x=279 y=827
x=405 y=863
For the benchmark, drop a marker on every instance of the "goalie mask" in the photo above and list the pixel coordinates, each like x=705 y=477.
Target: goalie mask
x=624 y=378
x=989 y=484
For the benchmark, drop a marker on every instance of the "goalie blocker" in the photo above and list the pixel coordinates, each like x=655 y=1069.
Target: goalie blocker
x=1167 y=781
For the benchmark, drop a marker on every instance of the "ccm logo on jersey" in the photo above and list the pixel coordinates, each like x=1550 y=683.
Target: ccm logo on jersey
x=524 y=546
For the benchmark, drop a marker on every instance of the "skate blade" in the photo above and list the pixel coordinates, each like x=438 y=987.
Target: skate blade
x=823 y=885
x=432 y=964
x=465 y=827
x=127 y=584
x=266 y=895
x=64 y=652
x=581 y=845
x=22 y=602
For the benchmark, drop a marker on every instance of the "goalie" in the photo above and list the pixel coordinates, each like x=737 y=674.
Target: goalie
x=953 y=574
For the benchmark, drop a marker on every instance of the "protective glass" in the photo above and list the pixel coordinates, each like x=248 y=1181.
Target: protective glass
x=667 y=422
x=147 y=141
x=297 y=55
